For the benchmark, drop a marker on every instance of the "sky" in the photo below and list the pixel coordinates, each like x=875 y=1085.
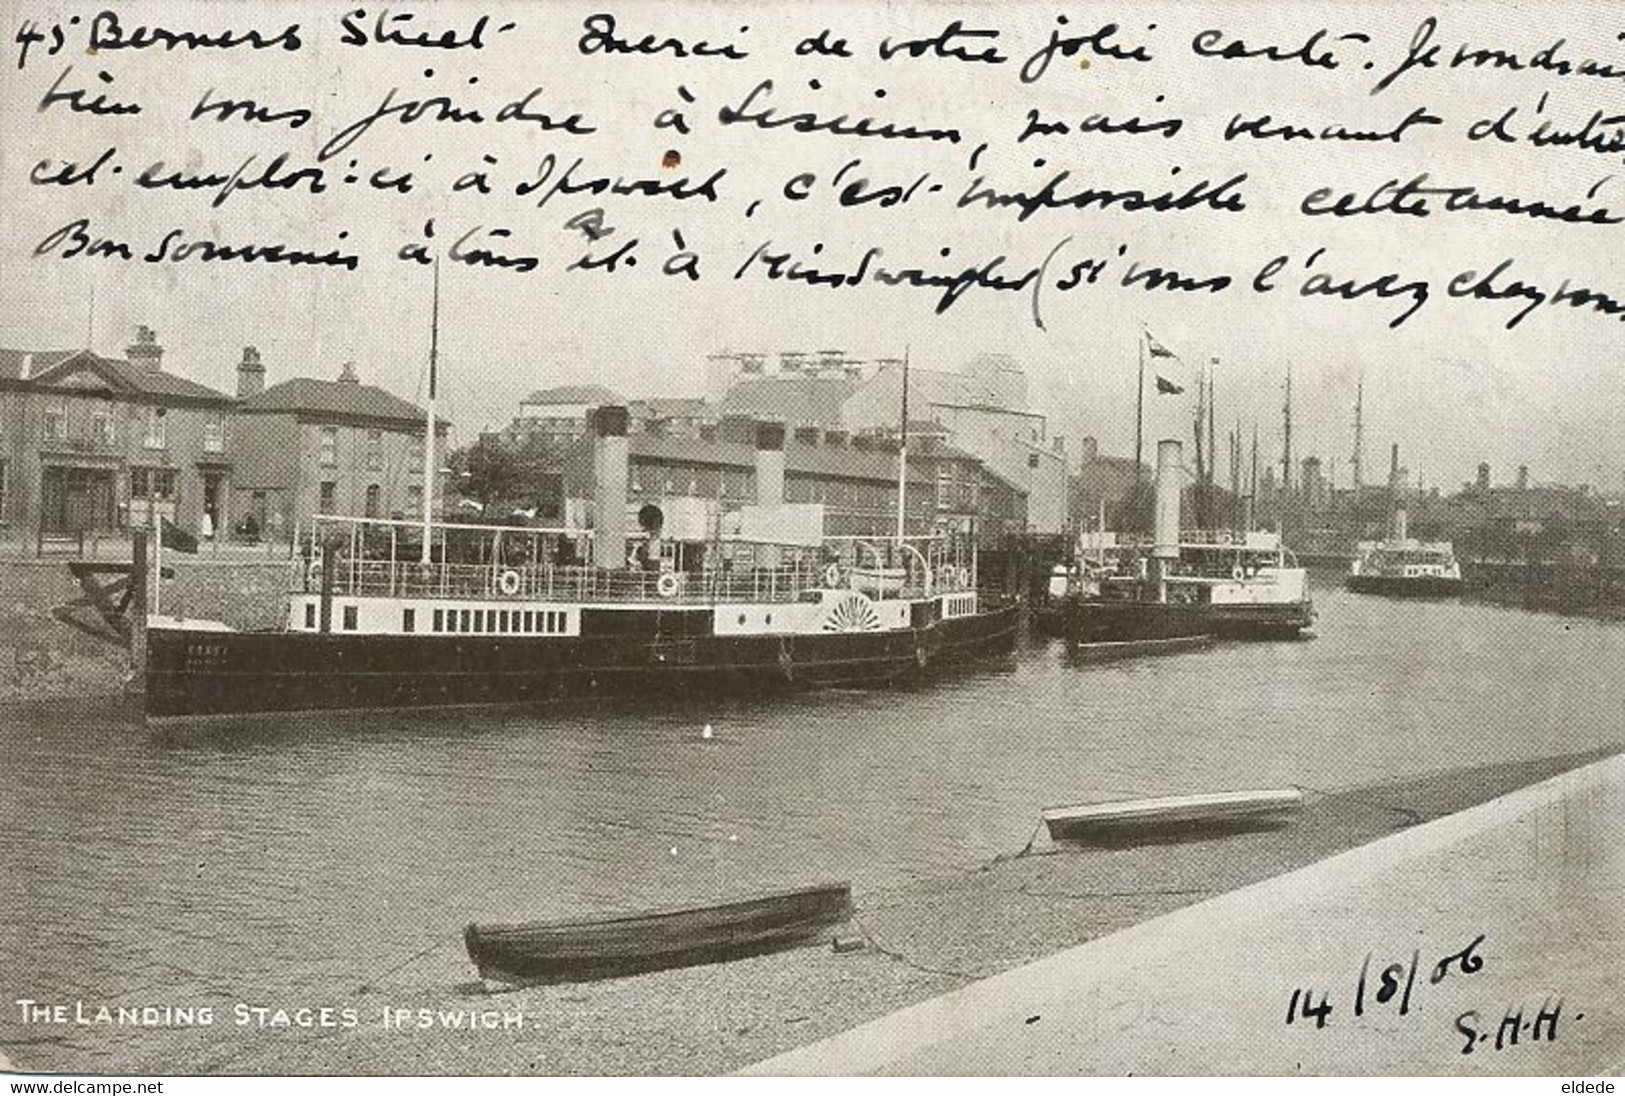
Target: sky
x=1452 y=385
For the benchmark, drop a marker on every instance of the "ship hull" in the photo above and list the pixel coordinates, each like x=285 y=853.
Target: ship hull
x=1394 y=586
x=1089 y=623
x=211 y=674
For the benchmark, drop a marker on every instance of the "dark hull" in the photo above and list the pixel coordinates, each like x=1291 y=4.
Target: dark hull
x=1139 y=648
x=1391 y=586
x=579 y=951
x=1089 y=623
x=214 y=674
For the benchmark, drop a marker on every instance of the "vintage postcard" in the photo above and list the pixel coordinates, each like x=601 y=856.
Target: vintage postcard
x=654 y=538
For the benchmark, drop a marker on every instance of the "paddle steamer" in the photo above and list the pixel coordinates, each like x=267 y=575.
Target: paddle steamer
x=397 y=614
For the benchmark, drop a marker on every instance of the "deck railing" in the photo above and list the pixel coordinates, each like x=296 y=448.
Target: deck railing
x=562 y=583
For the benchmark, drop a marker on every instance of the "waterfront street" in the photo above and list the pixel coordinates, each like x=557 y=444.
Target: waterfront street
x=335 y=863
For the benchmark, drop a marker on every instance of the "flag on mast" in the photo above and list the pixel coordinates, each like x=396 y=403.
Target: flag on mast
x=1156 y=349
x=1166 y=387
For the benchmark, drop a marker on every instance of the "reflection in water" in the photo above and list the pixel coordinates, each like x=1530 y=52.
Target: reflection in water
x=295 y=861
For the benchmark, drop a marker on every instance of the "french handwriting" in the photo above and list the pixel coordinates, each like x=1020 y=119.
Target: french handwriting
x=796 y=150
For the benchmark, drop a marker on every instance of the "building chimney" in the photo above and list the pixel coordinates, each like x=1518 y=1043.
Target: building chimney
x=1393 y=466
x=1484 y=475
x=250 y=374
x=609 y=471
x=1402 y=525
x=769 y=475
x=347 y=374
x=1523 y=477
x=145 y=353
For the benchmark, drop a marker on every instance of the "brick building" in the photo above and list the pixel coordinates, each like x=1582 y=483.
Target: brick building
x=307 y=446
x=90 y=443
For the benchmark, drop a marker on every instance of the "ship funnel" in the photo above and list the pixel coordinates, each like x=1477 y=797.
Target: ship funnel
x=609 y=471
x=769 y=477
x=1166 y=545
x=1401 y=525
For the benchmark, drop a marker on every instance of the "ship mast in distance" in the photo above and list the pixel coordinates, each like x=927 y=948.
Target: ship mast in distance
x=1359 y=431
x=428 y=426
x=1286 y=435
x=902 y=459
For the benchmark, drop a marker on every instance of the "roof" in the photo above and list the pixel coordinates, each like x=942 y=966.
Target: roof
x=595 y=394
x=11 y=361
x=311 y=397
x=122 y=377
x=798 y=401
x=671 y=407
x=808 y=460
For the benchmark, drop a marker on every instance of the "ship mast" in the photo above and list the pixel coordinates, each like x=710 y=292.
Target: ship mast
x=428 y=429
x=902 y=459
x=1139 y=416
x=1359 y=431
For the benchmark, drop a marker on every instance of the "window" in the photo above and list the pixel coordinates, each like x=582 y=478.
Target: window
x=214 y=433
x=329 y=497
x=157 y=432
x=56 y=422
x=156 y=483
x=374 y=494
x=414 y=454
x=439 y=620
x=310 y=615
x=414 y=499
x=409 y=620
x=101 y=428
x=349 y=618
x=375 y=450
x=1032 y=460
x=328 y=454
x=2 y=491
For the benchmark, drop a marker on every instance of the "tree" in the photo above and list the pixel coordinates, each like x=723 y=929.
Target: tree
x=503 y=474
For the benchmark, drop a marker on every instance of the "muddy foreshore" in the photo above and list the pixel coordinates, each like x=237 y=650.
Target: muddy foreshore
x=922 y=938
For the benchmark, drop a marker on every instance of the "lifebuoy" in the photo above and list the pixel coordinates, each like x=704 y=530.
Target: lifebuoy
x=1236 y=572
x=832 y=575
x=922 y=657
x=668 y=584
x=508 y=582
x=964 y=577
x=313 y=574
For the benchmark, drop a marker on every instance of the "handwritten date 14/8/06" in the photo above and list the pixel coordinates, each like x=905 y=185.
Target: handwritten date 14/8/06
x=1377 y=988
x=1380 y=987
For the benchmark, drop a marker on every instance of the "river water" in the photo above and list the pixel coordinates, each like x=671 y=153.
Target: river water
x=294 y=863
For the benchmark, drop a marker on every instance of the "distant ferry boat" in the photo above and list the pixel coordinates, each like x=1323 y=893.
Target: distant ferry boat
x=1404 y=567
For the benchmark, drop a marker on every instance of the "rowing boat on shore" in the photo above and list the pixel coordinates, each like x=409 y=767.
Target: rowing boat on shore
x=612 y=947
x=1130 y=817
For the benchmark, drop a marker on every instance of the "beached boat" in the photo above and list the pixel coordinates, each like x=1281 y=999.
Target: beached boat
x=1148 y=817
x=1403 y=566
x=612 y=947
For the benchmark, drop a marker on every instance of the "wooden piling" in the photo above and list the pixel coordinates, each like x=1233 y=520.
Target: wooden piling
x=138 y=605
